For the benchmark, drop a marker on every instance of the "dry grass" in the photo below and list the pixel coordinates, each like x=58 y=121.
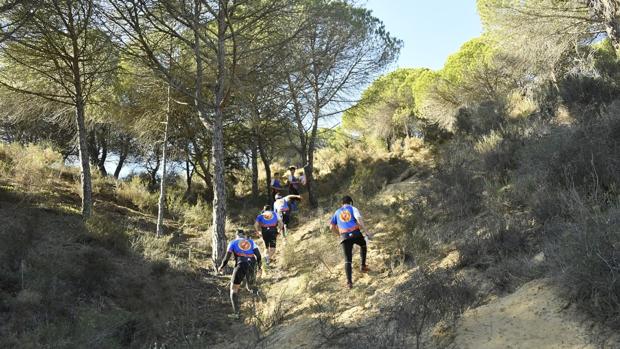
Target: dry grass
x=136 y=192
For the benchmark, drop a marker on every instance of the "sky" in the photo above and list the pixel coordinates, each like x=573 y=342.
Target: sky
x=431 y=30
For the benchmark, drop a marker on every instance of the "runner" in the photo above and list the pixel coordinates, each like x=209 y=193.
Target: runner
x=267 y=225
x=276 y=186
x=283 y=209
x=293 y=182
x=348 y=223
x=247 y=264
x=293 y=186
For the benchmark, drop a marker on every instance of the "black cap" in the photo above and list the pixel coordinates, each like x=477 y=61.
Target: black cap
x=346 y=200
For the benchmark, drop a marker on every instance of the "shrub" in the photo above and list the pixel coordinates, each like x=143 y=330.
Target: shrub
x=135 y=191
x=481 y=119
x=425 y=300
x=461 y=184
x=483 y=251
x=91 y=275
x=586 y=261
x=31 y=166
x=199 y=215
x=371 y=177
x=107 y=233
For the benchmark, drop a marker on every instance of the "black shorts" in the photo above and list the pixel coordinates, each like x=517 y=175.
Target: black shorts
x=286 y=217
x=244 y=271
x=269 y=237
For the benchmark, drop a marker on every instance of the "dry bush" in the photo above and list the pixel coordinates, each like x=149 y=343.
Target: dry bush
x=485 y=250
x=136 y=192
x=372 y=176
x=274 y=312
x=585 y=259
x=199 y=215
x=460 y=182
x=32 y=167
x=106 y=232
x=481 y=119
x=287 y=255
x=425 y=300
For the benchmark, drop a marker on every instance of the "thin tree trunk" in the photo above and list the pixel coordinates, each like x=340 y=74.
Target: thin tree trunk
x=87 y=193
x=122 y=157
x=189 y=173
x=267 y=165
x=153 y=171
x=162 y=188
x=219 y=191
x=309 y=168
x=104 y=153
x=87 y=190
x=254 y=161
x=119 y=166
x=219 y=184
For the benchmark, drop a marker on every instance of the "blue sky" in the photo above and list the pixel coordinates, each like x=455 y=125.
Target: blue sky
x=431 y=30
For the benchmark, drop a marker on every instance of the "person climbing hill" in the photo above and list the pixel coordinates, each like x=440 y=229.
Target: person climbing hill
x=267 y=224
x=348 y=224
x=283 y=209
x=276 y=186
x=293 y=181
x=293 y=185
x=247 y=265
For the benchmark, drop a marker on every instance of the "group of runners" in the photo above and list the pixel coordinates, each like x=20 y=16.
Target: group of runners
x=347 y=222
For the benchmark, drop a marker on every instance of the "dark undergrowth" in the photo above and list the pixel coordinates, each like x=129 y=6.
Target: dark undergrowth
x=106 y=282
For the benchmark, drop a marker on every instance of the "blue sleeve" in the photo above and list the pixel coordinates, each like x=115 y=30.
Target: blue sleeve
x=334 y=221
x=258 y=218
x=254 y=246
x=230 y=247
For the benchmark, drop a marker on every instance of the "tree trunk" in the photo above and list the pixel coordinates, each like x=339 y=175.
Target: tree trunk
x=122 y=157
x=162 y=188
x=87 y=193
x=103 y=142
x=254 y=161
x=189 y=173
x=93 y=149
x=309 y=168
x=153 y=171
x=87 y=189
x=219 y=184
x=267 y=165
x=219 y=190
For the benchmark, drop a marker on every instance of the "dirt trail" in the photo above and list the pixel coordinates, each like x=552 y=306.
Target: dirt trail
x=532 y=317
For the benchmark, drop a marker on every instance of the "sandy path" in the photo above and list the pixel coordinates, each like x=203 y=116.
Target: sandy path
x=532 y=317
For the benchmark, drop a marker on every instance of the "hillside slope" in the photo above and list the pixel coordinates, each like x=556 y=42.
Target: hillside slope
x=309 y=307
x=103 y=283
